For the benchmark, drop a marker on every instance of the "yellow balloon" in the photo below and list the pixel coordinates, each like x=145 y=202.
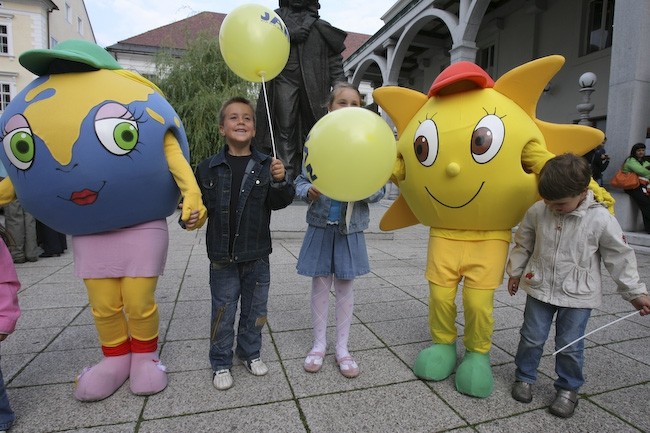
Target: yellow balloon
x=349 y=154
x=254 y=42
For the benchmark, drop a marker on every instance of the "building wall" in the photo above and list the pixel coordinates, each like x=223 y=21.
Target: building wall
x=37 y=24
x=144 y=64
x=27 y=28
x=530 y=33
x=70 y=21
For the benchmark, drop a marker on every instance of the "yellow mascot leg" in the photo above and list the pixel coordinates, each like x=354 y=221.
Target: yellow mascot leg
x=141 y=308
x=437 y=362
x=148 y=375
x=474 y=374
x=106 y=377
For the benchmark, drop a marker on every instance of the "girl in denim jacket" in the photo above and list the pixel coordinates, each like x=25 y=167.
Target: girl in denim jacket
x=333 y=251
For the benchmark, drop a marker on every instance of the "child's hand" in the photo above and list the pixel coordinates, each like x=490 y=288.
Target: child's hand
x=277 y=170
x=2 y=337
x=193 y=208
x=192 y=221
x=642 y=303
x=313 y=194
x=513 y=285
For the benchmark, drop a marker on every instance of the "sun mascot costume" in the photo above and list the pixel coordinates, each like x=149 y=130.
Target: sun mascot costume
x=469 y=154
x=95 y=151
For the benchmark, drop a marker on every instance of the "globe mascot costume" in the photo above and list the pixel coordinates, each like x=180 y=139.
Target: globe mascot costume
x=95 y=151
x=469 y=154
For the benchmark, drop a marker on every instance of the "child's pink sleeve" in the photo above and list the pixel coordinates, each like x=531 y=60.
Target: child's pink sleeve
x=9 y=286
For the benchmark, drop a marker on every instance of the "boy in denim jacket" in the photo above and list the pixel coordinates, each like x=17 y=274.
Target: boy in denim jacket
x=240 y=188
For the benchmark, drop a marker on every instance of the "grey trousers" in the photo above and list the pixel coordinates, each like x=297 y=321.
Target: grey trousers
x=21 y=226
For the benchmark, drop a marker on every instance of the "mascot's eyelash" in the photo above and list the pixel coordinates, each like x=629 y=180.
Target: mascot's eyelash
x=495 y=113
x=428 y=118
x=138 y=116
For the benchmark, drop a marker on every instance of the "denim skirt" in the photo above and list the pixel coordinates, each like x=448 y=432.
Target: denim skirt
x=325 y=251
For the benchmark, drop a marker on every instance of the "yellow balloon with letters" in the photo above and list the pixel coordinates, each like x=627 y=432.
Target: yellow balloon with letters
x=349 y=154
x=254 y=42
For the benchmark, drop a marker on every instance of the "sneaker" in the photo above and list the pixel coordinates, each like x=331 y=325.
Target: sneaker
x=564 y=404
x=256 y=367
x=522 y=391
x=222 y=379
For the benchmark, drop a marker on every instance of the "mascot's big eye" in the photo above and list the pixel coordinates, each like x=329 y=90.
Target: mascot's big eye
x=425 y=144
x=487 y=138
x=116 y=128
x=119 y=136
x=19 y=147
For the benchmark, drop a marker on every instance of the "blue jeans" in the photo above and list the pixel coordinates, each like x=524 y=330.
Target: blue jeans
x=570 y=324
x=230 y=284
x=7 y=416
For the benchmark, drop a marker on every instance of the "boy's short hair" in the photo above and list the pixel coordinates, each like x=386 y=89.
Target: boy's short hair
x=564 y=176
x=235 y=99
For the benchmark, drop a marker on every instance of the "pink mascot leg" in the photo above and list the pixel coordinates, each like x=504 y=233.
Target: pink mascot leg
x=104 y=378
x=147 y=374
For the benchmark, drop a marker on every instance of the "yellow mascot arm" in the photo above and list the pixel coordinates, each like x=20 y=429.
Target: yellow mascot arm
x=534 y=157
x=184 y=177
x=7 y=192
x=602 y=196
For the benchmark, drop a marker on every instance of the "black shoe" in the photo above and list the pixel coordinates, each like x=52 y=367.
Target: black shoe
x=17 y=261
x=45 y=255
x=564 y=404
x=522 y=391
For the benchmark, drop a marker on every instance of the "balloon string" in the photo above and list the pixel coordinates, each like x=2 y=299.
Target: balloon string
x=598 y=329
x=268 y=116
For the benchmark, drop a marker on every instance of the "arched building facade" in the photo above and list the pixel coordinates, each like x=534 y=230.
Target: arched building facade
x=610 y=38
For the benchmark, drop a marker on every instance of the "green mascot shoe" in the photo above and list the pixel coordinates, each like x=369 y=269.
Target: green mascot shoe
x=436 y=362
x=474 y=375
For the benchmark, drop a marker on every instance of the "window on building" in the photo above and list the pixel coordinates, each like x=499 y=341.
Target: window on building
x=598 y=26
x=4 y=39
x=5 y=95
x=485 y=59
x=80 y=26
x=68 y=13
x=53 y=42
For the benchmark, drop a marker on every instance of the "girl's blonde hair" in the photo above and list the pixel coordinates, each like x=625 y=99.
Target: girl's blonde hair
x=337 y=88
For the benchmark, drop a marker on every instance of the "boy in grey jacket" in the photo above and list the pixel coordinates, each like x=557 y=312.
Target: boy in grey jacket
x=556 y=260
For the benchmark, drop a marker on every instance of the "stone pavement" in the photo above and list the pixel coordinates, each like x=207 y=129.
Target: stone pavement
x=56 y=338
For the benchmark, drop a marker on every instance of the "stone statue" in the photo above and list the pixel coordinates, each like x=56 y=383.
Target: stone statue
x=298 y=95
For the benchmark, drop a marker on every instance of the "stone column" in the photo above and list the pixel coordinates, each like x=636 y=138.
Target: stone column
x=628 y=107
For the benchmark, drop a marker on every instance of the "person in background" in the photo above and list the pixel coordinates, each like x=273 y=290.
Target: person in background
x=599 y=160
x=637 y=163
x=21 y=227
x=557 y=261
x=333 y=252
x=240 y=187
x=52 y=242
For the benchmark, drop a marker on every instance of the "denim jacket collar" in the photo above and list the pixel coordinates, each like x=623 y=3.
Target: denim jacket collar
x=220 y=157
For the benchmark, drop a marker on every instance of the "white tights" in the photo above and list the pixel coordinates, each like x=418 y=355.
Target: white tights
x=320 y=288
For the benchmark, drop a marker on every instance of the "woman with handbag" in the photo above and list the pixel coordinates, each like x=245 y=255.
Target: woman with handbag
x=636 y=163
